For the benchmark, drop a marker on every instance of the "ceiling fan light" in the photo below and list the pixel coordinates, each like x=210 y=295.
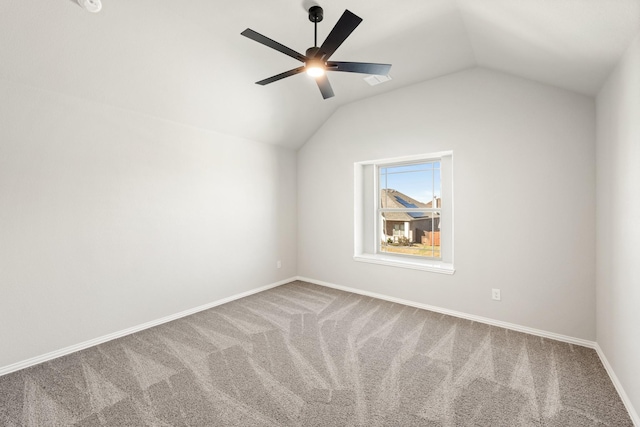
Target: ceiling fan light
x=315 y=71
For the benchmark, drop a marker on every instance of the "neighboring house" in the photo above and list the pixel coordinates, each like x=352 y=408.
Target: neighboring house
x=413 y=225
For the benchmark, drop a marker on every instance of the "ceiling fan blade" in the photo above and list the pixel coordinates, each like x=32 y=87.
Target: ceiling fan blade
x=345 y=26
x=281 y=76
x=359 y=67
x=325 y=86
x=273 y=44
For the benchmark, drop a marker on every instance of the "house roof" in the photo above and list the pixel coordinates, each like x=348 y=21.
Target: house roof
x=187 y=62
x=394 y=199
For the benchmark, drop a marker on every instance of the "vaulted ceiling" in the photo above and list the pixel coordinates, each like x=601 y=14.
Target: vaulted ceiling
x=185 y=61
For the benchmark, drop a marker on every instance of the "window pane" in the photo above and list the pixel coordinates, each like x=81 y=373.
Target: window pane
x=410 y=186
x=410 y=233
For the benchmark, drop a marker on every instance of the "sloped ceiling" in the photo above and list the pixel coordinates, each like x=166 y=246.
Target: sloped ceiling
x=185 y=61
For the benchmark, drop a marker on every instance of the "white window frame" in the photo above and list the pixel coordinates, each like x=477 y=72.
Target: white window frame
x=367 y=222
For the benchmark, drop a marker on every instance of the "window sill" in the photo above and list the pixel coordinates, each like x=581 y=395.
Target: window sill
x=425 y=265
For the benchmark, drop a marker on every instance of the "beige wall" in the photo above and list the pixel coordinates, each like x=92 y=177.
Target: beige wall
x=618 y=192
x=522 y=151
x=109 y=219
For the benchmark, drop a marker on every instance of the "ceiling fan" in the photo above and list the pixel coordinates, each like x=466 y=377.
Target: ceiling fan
x=316 y=61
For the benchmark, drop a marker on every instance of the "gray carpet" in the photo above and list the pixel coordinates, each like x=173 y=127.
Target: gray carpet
x=304 y=355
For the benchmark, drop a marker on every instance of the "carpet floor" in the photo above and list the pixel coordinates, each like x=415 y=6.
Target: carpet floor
x=305 y=355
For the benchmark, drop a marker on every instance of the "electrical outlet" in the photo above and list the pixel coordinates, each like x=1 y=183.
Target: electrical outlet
x=278 y=264
x=495 y=294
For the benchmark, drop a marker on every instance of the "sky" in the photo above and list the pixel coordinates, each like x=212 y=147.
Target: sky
x=420 y=181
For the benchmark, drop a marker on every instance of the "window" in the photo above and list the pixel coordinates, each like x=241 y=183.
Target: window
x=409 y=210
x=404 y=212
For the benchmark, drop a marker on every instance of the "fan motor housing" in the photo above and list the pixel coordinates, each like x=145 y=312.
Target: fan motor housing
x=311 y=52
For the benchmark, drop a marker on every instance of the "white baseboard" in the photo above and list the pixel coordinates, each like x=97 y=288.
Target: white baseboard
x=480 y=319
x=81 y=346
x=616 y=382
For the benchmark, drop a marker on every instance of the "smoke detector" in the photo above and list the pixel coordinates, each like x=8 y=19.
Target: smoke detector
x=92 y=6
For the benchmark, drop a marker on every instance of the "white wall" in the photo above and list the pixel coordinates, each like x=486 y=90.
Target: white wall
x=110 y=219
x=618 y=220
x=524 y=179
